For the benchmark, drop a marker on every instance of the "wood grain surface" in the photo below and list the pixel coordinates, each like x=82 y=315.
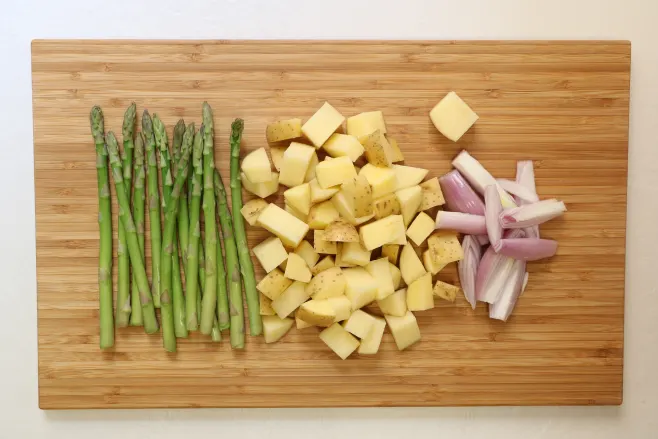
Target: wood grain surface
x=563 y=104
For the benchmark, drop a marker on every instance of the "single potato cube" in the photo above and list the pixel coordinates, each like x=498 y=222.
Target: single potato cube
x=343 y=145
x=265 y=305
x=370 y=344
x=378 y=150
x=256 y=166
x=321 y=245
x=410 y=265
x=365 y=123
x=326 y=284
x=380 y=271
x=395 y=149
x=359 y=194
x=325 y=263
x=334 y=172
x=382 y=180
x=421 y=228
x=391 y=251
x=252 y=209
x=405 y=330
x=299 y=197
x=262 y=190
x=283 y=130
x=310 y=172
x=359 y=324
x=322 y=124
x=339 y=340
x=296 y=269
x=354 y=253
x=321 y=215
x=387 y=205
x=409 y=199
x=452 y=116
x=297 y=214
x=342 y=307
x=346 y=210
x=341 y=231
x=286 y=226
x=339 y=257
x=432 y=194
x=274 y=284
x=383 y=231
x=301 y=324
x=270 y=253
x=446 y=291
x=429 y=263
x=395 y=304
x=290 y=300
x=396 y=275
x=407 y=176
x=274 y=328
x=295 y=164
x=444 y=247
x=308 y=253
x=360 y=287
x=419 y=294
x=317 y=312
x=276 y=154
x=318 y=194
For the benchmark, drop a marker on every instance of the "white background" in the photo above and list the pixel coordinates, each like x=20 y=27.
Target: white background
x=23 y=20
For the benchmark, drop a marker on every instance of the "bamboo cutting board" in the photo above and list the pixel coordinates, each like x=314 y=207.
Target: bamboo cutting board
x=563 y=104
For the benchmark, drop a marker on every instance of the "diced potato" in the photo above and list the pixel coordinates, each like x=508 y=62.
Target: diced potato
x=325 y=263
x=317 y=312
x=301 y=324
x=256 y=166
x=360 y=287
x=321 y=245
x=429 y=263
x=354 y=253
x=358 y=193
x=252 y=209
x=310 y=172
x=343 y=145
x=276 y=154
x=299 y=215
x=341 y=231
x=286 y=226
x=391 y=251
x=339 y=340
x=387 y=205
x=326 y=284
x=382 y=180
x=370 y=344
x=262 y=190
x=322 y=124
x=270 y=253
x=380 y=271
x=444 y=247
x=342 y=307
x=296 y=160
x=283 y=265
x=419 y=294
x=452 y=116
x=407 y=176
x=274 y=328
x=274 y=284
x=446 y=291
x=299 y=197
x=359 y=324
x=410 y=199
x=318 y=194
x=383 y=231
x=365 y=123
x=321 y=215
x=395 y=150
x=421 y=228
x=410 y=265
x=296 y=269
x=405 y=330
x=290 y=300
x=432 y=194
x=395 y=304
x=283 y=130
x=342 y=205
x=396 y=275
x=308 y=253
x=378 y=151
x=339 y=257
x=334 y=172
x=265 y=305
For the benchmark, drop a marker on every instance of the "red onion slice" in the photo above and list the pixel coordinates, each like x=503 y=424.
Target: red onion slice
x=528 y=249
x=522 y=193
x=461 y=222
x=479 y=177
x=502 y=308
x=468 y=266
x=531 y=214
x=493 y=271
x=493 y=208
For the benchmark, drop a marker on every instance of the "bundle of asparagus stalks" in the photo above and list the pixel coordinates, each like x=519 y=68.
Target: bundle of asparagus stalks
x=195 y=284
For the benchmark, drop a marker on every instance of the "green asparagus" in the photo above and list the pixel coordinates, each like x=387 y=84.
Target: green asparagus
x=183 y=221
x=191 y=273
x=153 y=203
x=138 y=217
x=180 y=328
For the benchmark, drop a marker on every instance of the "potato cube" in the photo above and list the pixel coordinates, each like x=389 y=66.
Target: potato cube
x=409 y=199
x=359 y=324
x=354 y=253
x=396 y=275
x=444 y=247
x=286 y=226
x=317 y=312
x=341 y=231
x=360 y=287
x=265 y=305
x=299 y=197
x=296 y=268
x=432 y=194
x=276 y=154
x=429 y=263
x=325 y=263
x=358 y=193
x=421 y=228
x=343 y=145
x=301 y=324
x=274 y=328
x=410 y=265
x=339 y=340
x=262 y=190
x=342 y=307
x=382 y=180
x=283 y=130
x=365 y=123
x=387 y=205
x=274 y=284
x=446 y=291
x=318 y=194
x=452 y=116
x=339 y=257
x=322 y=124
x=326 y=284
x=407 y=176
x=308 y=253
x=378 y=151
x=419 y=294
x=296 y=160
x=370 y=344
x=310 y=172
x=296 y=213
x=395 y=149
x=383 y=231
x=395 y=304
x=321 y=245
x=342 y=205
x=321 y=215
x=380 y=271
x=270 y=253
x=334 y=172
x=256 y=166
x=391 y=251
x=290 y=299
x=405 y=330
x=252 y=209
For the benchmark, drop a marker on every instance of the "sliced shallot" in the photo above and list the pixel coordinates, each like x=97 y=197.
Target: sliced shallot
x=461 y=222
x=479 y=177
x=527 y=249
x=493 y=271
x=503 y=307
x=531 y=214
x=493 y=208
x=468 y=267
x=525 y=176
x=522 y=193
x=459 y=195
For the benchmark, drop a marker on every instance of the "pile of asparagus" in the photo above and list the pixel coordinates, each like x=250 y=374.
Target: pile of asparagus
x=202 y=296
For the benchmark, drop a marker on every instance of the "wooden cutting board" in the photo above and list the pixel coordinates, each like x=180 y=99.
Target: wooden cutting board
x=563 y=104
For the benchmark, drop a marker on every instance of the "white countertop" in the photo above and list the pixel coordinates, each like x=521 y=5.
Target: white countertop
x=23 y=20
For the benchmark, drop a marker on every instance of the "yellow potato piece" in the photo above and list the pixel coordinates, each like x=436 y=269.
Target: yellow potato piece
x=432 y=194
x=295 y=164
x=286 y=226
x=325 y=263
x=358 y=193
x=274 y=328
x=346 y=211
x=252 y=209
x=326 y=284
x=405 y=330
x=276 y=154
x=321 y=245
x=360 y=287
x=410 y=265
x=296 y=269
x=334 y=172
x=274 y=284
x=270 y=253
x=359 y=324
x=299 y=197
x=322 y=124
x=370 y=344
x=419 y=294
x=317 y=312
x=339 y=257
x=396 y=275
x=409 y=199
x=265 y=305
x=321 y=215
x=299 y=215
x=310 y=172
x=354 y=253
x=339 y=340
x=391 y=251
x=395 y=304
x=446 y=291
x=283 y=130
x=318 y=194
x=420 y=228
x=395 y=149
x=380 y=271
x=262 y=190
x=382 y=180
x=366 y=123
x=378 y=150
x=452 y=116
x=444 y=247
x=256 y=166
x=429 y=263
x=341 y=231
x=343 y=145
x=308 y=253
x=407 y=176
x=383 y=231
x=290 y=299
x=387 y=205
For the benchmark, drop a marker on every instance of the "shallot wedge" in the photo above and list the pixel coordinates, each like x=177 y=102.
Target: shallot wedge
x=468 y=267
x=479 y=177
x=461 y=222
x=526 y=249
x=493 y=271
x=492 y=211
x=459 y=195
x=523 y=194
x=502 y=308
x=531 y=214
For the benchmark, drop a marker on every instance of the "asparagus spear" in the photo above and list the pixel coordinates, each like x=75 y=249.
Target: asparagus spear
x=154 y=204
x=148 y=311
x=246 y=266
x=180 y=329
x=123 y=293
x=138 y=217
x=183 y=220
x=105 y=228
x=192 y=271
x=236 y=314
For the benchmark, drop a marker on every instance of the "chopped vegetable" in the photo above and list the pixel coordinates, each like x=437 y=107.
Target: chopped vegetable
x=452 y=116
x=461 y=222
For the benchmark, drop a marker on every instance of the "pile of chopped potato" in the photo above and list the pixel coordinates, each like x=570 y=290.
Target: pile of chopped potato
x=366 y=226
